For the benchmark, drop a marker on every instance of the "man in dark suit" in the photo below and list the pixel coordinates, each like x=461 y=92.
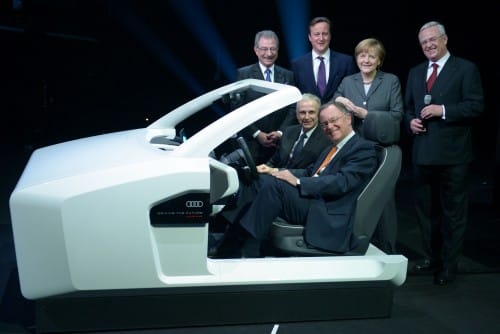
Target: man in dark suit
x=322 y=196
x=288 y=155
x=263 y=136
x=439 y=119
x=337 y=65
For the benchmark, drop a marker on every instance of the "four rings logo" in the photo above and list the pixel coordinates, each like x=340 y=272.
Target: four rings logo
x=194 y=204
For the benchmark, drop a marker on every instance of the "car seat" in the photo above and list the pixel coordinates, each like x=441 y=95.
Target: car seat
x=382 y=128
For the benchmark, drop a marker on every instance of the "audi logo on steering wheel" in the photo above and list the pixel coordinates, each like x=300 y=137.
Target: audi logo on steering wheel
x=194 y=204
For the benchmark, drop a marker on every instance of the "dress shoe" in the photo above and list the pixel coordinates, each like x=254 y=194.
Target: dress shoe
x=445 y=276
x=425 y=266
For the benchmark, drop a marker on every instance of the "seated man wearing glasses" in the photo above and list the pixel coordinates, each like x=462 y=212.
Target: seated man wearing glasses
x=322 y=196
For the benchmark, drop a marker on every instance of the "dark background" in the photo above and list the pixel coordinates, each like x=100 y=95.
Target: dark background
x=70 y=68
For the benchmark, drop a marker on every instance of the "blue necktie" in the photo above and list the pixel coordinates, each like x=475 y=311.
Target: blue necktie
x=321 y=80
x=299 y=145
x=268 y=75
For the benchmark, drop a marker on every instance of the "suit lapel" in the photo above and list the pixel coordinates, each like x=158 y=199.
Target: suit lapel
x=423 y=77
x=358 y=83
x=288 y=142
x=332 y=166
x=312 y=137
x=256 y=72
x=278 y=75
x=294 y=135
x=377 y=81
x=446 y=74
x=309 y=71
x=331 y=76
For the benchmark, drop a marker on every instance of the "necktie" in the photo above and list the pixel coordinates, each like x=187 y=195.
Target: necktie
x=268 y=75
x=433 y=77
x=321 y=80
x=326 y=160
x=299 y=145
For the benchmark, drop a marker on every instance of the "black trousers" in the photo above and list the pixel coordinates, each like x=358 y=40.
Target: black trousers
x=442 y=208
x=275 y=198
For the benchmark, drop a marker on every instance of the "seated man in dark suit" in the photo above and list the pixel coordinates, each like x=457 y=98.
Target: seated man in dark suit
x=321 y=196
x=292 y=152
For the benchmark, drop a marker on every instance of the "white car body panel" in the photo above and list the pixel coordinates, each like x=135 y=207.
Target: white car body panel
x=80 y=212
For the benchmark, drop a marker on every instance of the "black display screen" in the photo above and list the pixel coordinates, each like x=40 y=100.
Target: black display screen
x=191 y=208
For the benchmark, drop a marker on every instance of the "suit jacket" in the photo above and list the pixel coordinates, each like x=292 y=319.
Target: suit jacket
x=277 y=120
x=458 y=87
x=309 y=154
x=384 y=95
x=341 y=65
x=334 y=194
x=315 y=144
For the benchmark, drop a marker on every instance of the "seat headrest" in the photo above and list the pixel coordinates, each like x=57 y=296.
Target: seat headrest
x=381 y=127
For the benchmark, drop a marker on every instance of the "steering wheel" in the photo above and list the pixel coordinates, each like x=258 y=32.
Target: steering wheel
x=249 y=168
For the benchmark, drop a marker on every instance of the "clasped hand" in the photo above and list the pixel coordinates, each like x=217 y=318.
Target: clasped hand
x=270 y=139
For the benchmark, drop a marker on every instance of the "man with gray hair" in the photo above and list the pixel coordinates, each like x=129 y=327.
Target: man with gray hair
x=264 y=135
x=443 y=96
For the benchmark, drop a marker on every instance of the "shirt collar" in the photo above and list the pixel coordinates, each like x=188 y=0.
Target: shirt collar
x=263 y=68
x=441 y=60
x=345 y=140
x=326 y=55
x=308 y=133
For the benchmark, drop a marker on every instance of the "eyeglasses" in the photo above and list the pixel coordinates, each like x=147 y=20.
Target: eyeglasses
x=430 y=40
x=333 y=120
x=264 y=49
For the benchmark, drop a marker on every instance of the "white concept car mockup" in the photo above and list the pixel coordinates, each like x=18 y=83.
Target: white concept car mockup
x=125 y=215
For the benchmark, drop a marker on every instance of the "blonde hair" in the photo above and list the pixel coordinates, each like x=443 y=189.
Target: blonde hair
x=371 y=44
